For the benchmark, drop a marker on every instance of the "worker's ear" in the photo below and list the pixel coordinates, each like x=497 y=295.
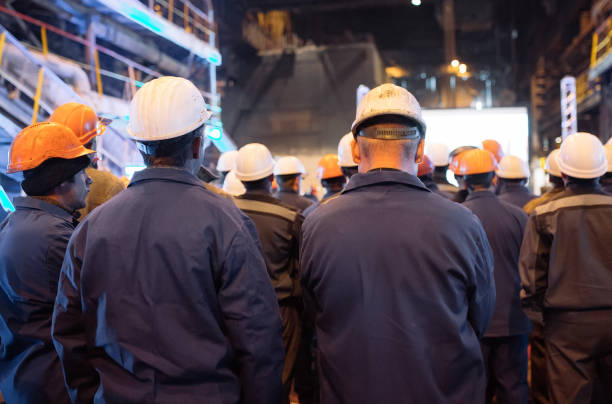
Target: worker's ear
x=418 y=158
x=197 y=147
x=355 y=151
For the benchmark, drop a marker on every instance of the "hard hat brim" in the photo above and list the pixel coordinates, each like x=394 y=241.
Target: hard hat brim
x=202 y=121
x=418 y=121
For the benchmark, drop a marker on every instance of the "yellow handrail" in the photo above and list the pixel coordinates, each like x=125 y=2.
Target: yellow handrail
x=43 y=38
x=98 y=76
x=2 y=40
x=37 y=95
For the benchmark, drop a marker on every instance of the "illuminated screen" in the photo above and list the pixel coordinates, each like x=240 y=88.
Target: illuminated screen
x=469 y=127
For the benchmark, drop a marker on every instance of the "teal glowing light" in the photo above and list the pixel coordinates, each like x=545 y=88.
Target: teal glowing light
x=214 y=132
x=143 y=18
x=6 y=201
x=215 y=59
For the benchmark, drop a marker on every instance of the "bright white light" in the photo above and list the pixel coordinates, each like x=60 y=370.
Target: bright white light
x=478 y=105
x=469 y=127
x=131 y=169
x=462 y=68
x=416 y=2
x=455 y=63
x=558 y=140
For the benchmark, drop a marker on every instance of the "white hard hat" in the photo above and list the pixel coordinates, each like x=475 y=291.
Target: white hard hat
x=582 y=156
x=438 y=153
x=166 y=108
x=608 y=148
x=227 y=161
x=609 y=141
x=289 y=165
x=254 y=162
x=551 y=165
x=389 y=99
x=345 y=154
x=512 y=167
x=232 y=185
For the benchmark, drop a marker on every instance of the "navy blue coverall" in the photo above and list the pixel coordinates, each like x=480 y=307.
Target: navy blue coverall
x=164 y=298
x=401 y=283
x=505 y=342
x=33 y=241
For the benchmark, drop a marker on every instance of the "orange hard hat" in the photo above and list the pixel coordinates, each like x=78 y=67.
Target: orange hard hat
x=329 y=167
x=426 y=166
x=477 y=162
x=494 y=147
x=81 y=119
x=455 y=157
x=42 y=141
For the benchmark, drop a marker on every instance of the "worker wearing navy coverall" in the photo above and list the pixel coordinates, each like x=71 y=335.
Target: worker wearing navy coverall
x=505 y=342
x=401 y=280
x=164 y=296
x=33 y=241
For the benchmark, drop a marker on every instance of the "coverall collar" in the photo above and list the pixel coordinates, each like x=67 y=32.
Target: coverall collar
x=513 y=188
x=579 y=189
x=27 y=202
x=165 y=174
x=259 y=195
x=480 y=194
x=378 y=177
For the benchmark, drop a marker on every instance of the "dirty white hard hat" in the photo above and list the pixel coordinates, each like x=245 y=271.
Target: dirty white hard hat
x=438 y=153
x=512 y=167
x=254 y=162
x=227 y=161
x=289 y=165
x=345 y=154
x=232 y=185
x=389 y=99
x=582 y=155
x=551 y=165
x=166 y=108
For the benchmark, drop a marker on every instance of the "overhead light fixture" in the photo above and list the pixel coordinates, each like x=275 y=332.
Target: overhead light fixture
x=462 y=68
x=455 y=63
x=416 y=2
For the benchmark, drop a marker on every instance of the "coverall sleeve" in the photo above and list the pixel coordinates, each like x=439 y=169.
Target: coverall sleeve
x=533 y=269
x=68 y=330
x=55 y=256
x=482 y=298
x=252 y=318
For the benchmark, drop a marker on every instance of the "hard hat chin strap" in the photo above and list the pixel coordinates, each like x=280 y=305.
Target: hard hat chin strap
x=389 y=133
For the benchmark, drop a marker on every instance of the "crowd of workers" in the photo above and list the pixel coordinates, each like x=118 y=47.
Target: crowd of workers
x=395 y=287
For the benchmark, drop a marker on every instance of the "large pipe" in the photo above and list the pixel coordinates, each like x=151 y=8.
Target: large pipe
x=135 y=44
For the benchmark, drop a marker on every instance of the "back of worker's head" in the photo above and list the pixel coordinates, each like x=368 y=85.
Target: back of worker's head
x=512 y=170
x=52 y=160
x=552 y=169
x=288 y=172
x=389 y=130
x=330 y=173
x=255 y=167
x=345 y=156
x=582 y=159
x=426 y=168
x=455 y=157
x=477 y=167
x=167 y=117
